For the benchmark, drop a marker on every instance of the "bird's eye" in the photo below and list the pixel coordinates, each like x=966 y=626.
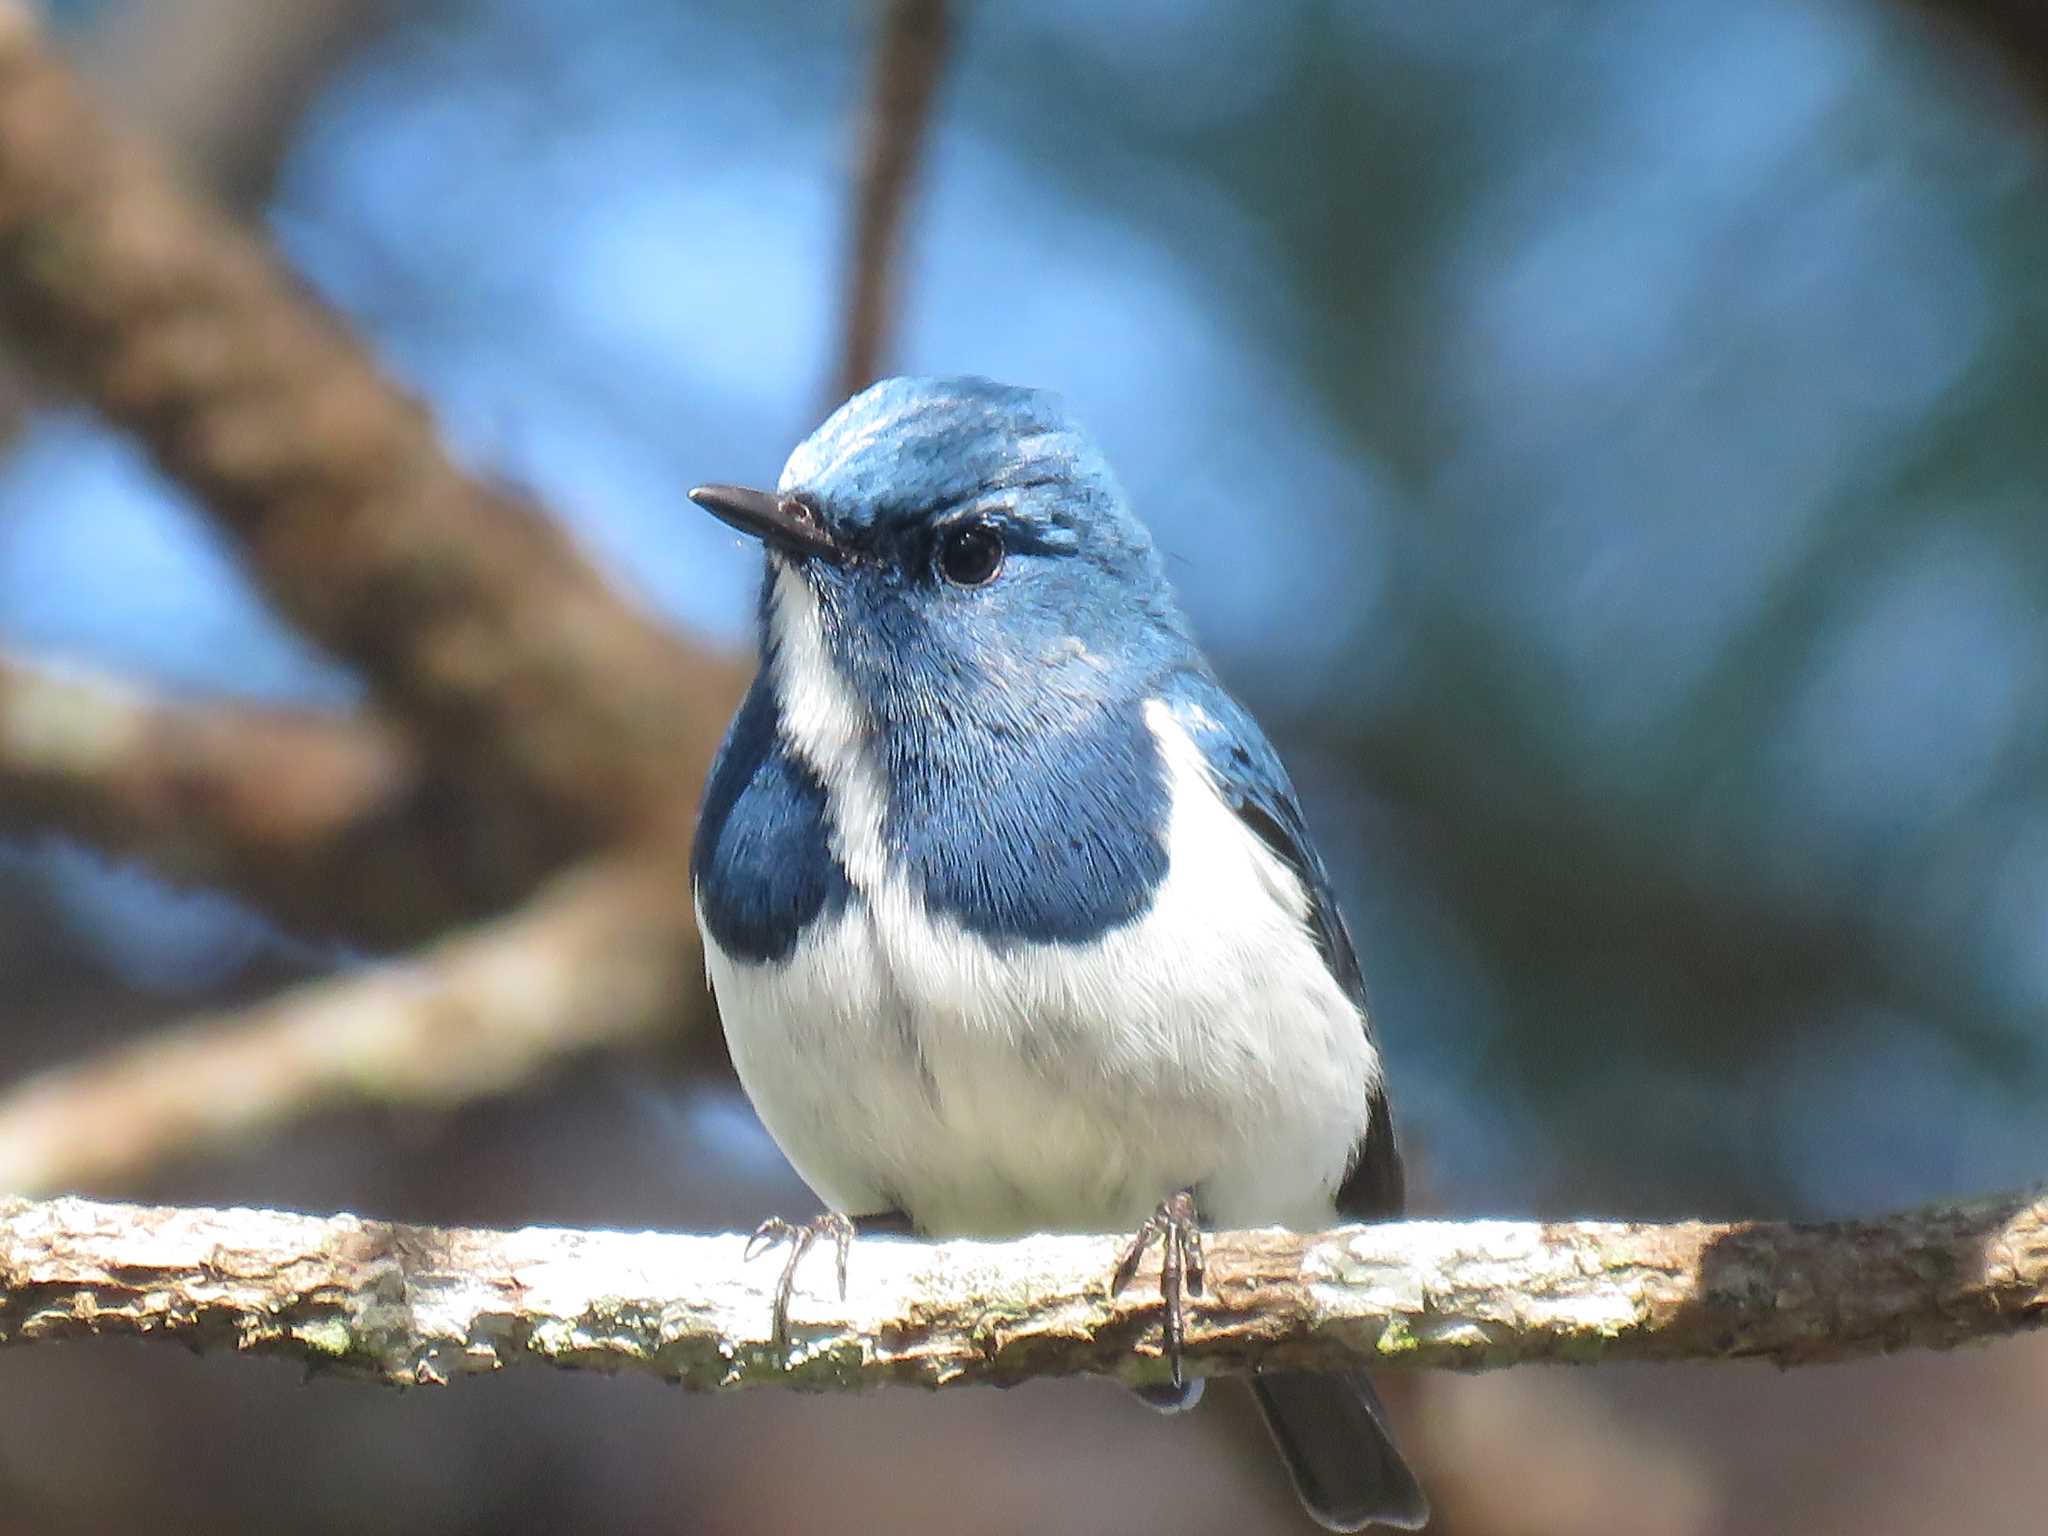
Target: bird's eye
x=970 y=554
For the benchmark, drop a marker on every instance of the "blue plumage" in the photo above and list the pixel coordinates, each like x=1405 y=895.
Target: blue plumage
x=1056 y=840
x=1010 y=909
x=1029 y=812
x=762 y=864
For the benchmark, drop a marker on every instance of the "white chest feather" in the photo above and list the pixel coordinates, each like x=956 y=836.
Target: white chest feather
x=902 y=1062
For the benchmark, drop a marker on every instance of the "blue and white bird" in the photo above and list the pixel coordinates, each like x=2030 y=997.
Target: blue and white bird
x=1008 y=906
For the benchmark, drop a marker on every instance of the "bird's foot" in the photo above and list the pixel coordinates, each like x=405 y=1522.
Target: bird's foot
x=801 y=1238
x=1175 y=1227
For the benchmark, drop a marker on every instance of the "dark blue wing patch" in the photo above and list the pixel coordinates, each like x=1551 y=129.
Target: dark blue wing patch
x=1255 y=785
x=763 y=863
x=1052 y=837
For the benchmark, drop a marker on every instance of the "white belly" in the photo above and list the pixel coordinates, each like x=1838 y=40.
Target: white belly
x=1036 y=1109
x=902 y=1063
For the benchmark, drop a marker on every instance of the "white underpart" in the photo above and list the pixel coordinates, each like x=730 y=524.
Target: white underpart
x=899 y=1060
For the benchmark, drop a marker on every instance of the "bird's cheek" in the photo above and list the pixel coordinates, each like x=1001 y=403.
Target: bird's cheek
x=843 y=598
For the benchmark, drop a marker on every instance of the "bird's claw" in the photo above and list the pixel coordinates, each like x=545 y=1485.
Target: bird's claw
x=1178 y=1231
x=801 y=1238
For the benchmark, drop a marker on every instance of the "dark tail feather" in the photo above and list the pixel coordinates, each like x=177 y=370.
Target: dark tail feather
x=1332 y=1433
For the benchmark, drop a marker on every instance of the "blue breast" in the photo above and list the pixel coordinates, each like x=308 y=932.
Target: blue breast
x=1032 y=835
x=763 y=863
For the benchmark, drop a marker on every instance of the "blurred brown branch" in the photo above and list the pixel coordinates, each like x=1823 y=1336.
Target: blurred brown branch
x=475 y=619
x=308 y=815
x=529 y=720
x=600 y=958
x=413 y=1304
x=217 y=83
x=2014 y=31
x=909 y=58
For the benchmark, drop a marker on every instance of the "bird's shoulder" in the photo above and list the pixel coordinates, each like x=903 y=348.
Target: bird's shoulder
x=1252 y=780
x=1254 y=783
x=762 y=863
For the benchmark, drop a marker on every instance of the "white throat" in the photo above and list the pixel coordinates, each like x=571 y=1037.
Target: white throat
x=831 y=730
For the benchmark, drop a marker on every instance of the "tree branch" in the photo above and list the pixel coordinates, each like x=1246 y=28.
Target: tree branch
x=217 y=84
x=2015 y=31
x=221 y=83
x=908 y=60
x=331 y=826
x=474 y=618
x=314 y=818
x=414 y=1304
x=600 y=957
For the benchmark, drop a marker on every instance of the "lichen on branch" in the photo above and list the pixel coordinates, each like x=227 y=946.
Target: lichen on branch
x=409 y=1304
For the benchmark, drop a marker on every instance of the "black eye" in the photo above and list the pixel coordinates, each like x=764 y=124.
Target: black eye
x=970 y=554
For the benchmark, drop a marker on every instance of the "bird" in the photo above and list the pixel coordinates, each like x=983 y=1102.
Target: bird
x=1008 y=906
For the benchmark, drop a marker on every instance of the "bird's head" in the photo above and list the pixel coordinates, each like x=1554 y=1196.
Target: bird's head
x=962 y=549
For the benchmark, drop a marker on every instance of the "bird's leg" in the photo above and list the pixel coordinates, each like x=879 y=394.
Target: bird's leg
x=1175 y=1226
x=801 y=1238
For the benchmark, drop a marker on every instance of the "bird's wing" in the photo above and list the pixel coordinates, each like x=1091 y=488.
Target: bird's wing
x=1254 y=783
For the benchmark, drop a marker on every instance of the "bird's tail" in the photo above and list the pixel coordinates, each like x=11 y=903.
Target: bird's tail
x=1332 y=1433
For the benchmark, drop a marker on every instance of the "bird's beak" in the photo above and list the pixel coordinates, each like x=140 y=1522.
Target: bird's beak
x=781 y=522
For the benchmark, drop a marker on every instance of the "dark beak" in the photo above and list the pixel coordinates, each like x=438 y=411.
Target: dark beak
x=781 y=522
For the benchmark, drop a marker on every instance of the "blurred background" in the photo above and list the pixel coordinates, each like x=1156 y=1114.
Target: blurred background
x=1602 y=443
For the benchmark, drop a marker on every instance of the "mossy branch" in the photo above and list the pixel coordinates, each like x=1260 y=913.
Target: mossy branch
x=410 y=1305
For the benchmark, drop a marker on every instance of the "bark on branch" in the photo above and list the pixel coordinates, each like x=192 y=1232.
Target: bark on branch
x=410 y=1304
